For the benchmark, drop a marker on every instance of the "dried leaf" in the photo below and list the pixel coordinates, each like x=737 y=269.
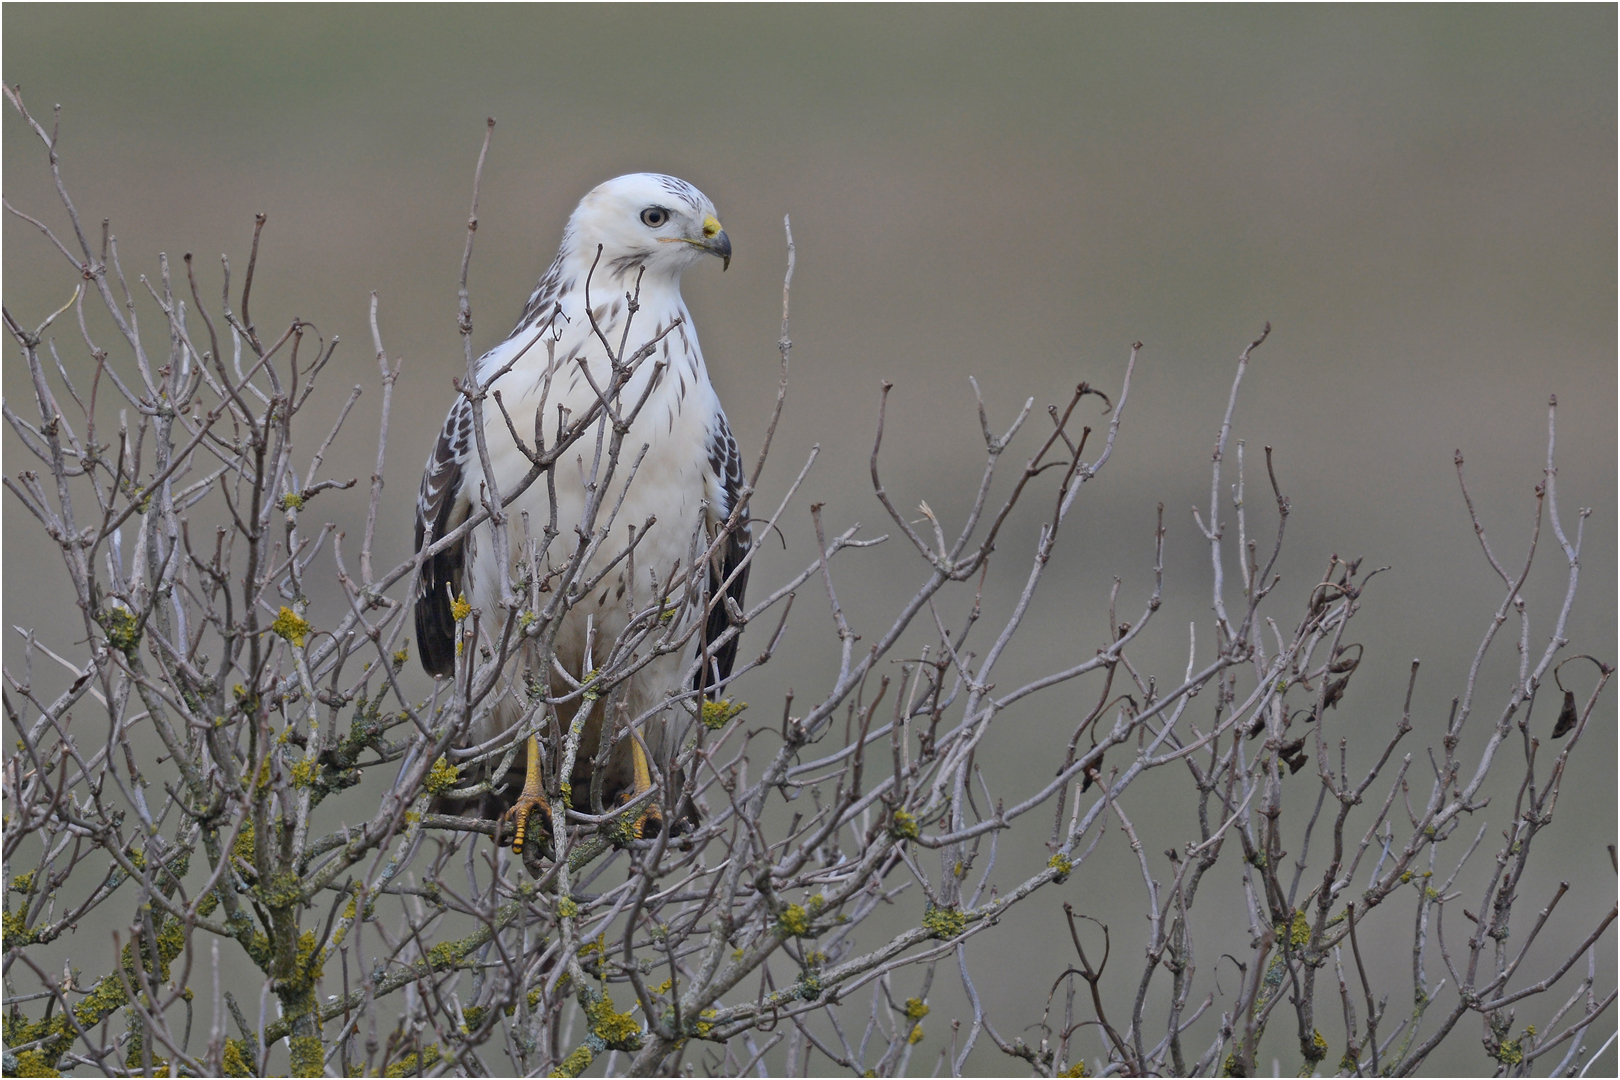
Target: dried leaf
x=1567 y=716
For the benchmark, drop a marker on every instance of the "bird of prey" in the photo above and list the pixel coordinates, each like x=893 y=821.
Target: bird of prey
x=624 y=249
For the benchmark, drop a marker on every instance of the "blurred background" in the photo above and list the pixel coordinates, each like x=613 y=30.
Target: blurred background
x=1421 y=200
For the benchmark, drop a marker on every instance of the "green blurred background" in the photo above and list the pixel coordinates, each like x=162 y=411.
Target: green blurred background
x=1421 y=200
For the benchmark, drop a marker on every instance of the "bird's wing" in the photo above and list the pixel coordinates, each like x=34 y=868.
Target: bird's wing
x=442 y=502
x=725 y=462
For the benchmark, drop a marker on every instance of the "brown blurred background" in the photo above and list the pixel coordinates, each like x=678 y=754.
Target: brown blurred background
x=1420 y=200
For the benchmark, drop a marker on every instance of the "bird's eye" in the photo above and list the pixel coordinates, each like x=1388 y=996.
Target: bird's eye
x=654 y=216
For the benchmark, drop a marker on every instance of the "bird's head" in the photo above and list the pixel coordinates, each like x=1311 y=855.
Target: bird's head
x=647 y=219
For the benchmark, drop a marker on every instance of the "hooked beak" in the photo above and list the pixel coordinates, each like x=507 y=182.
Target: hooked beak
x=715 y=241
x=719 y=244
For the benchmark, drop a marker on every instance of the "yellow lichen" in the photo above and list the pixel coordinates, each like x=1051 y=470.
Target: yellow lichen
x=291 y=626
x=34 y=1063
x=442 y=777
x=617 y=1030
x=916 y=1035
x=14 y=930
x=307 y=1055
x=795 y=921
x=904 y=826
x=53 y=1037
x=247 y=703
x=716 y=714
x=235 y=1060
x=1062 y=864
x=943 y=922
x=309 y=966
x=444 y=955
x=459 y=608
x=916 y=1009
x=622 y=831
x=413 y=1064
x=123 y=629
x=106 y=996
x=574 y=1063
x=592 y=953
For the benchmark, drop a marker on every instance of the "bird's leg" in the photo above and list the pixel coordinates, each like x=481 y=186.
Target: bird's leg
x=533 y=796
x=642 y=783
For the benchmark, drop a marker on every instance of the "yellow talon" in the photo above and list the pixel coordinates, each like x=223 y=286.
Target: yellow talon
x=533 y=797
x=642 y=783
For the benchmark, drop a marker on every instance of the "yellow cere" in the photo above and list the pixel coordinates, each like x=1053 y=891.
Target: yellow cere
x=711 y=227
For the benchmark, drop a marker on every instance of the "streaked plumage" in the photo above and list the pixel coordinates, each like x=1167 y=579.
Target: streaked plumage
x=648 y=225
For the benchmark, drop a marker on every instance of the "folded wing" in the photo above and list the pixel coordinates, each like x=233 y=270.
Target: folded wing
x=441 y=503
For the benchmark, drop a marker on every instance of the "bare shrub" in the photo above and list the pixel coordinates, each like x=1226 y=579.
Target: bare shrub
x=197 y=779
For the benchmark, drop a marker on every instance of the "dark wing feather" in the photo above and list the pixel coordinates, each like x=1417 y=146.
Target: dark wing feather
x=726 y=462
x=438 y=501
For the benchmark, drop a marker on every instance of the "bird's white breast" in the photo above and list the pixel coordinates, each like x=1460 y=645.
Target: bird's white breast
x=670 y=485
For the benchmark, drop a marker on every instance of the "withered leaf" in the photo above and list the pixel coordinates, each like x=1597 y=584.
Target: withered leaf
x=1293 y=755
x=1567 y=716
